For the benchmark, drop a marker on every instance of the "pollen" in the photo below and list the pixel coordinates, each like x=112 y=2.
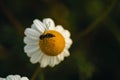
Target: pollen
x=52 y=43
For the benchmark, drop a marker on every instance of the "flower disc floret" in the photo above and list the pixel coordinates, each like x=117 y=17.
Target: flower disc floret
x=52 y=45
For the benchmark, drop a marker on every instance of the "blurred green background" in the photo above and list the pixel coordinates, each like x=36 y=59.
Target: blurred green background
x=94 y=27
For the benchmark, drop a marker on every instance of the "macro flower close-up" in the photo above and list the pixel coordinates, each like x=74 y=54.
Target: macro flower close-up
x=46 y=43
x=14 y=77
x=60 y=39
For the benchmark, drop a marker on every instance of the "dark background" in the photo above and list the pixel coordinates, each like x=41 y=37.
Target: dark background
x=94 y=27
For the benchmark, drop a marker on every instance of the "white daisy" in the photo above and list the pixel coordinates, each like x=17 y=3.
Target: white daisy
x=14 y=77
x=46 y=43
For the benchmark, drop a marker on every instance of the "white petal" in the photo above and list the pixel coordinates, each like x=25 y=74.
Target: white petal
x=29 y=54
x=60 y=57
x=13 y=77
x=44 y=61
x=41 y=56
x=66 y=33
x=31 y=32
x=30 y=49
x=24 y=78
x=33 y=37
x=59 y=28
x=31 y=41
x=68 y=43
x=35 y=28
x=49 y=23
x=57 y=61
x=52 y=61
x=35 y=57
x=66 y=53
x=39 y=25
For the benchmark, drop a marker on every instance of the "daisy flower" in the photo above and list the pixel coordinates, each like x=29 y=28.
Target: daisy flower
x=46 y=43
x=14 y=77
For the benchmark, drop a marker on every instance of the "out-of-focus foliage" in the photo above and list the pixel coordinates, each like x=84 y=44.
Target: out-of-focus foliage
x=94 y=27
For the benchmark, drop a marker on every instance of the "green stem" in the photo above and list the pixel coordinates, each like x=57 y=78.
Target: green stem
x=35 y=74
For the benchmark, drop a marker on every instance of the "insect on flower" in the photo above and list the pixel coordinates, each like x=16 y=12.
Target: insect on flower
x=48 y=35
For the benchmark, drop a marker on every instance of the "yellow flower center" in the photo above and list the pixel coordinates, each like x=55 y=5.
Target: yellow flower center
x=52 y=42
